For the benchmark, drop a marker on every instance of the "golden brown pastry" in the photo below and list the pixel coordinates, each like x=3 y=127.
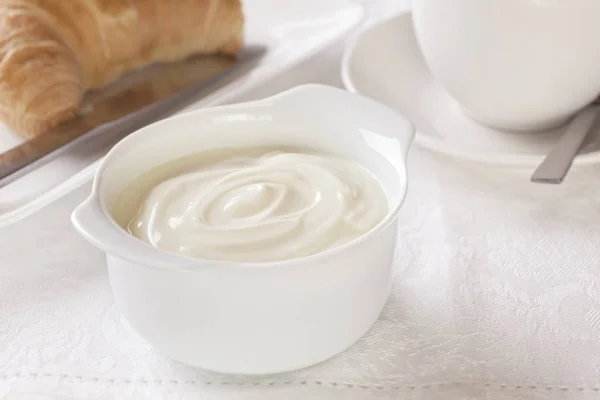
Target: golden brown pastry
x=52 y=51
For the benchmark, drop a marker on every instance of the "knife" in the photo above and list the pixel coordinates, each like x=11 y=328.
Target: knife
x=130 y=104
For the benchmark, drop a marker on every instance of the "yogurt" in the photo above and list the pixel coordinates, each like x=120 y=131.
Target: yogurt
x=252 y=204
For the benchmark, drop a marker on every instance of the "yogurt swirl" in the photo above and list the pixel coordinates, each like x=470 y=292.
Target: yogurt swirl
x=270 y=206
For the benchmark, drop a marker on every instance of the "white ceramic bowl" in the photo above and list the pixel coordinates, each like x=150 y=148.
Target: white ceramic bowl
x=254 y=318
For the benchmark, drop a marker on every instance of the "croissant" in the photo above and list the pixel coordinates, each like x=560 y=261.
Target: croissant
x=53 y=51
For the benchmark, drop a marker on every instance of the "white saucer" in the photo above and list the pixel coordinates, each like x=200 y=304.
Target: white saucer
x=384 y=63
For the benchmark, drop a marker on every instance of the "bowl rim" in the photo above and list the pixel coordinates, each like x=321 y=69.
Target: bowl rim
x=182 y=261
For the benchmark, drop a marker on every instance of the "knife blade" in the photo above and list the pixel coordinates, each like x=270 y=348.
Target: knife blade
x=135 y=101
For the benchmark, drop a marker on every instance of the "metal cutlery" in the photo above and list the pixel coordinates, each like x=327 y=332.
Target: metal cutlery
x=557 y=163
x=118 y=111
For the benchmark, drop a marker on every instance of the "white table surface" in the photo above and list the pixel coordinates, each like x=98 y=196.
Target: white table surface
x=497 y=296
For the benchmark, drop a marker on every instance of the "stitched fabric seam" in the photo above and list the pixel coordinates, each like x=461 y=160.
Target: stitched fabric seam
x=266 y=383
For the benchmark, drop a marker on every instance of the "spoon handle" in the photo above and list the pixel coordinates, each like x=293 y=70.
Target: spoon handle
x=557 y=163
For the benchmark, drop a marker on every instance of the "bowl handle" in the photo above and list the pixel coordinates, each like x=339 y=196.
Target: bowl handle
x=317 y=98
x=91 y=222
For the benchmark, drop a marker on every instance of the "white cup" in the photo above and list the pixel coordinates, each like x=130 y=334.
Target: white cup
x=513 y=64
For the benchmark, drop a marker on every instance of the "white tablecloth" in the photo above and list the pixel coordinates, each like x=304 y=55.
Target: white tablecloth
x=497 y=296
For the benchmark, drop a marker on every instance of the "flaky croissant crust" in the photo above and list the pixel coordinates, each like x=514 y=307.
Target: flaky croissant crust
x=53 y=51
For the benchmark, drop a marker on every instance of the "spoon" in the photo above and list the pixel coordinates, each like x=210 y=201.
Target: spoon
x=555 y=166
